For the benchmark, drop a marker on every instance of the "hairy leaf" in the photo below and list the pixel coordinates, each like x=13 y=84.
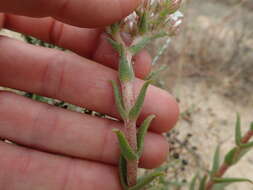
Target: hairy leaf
x=125 y=148
x=126 y=72
x=136 y=109
x=118 y=100
x=115 y=28
x=155 y=73
x=117 y=46
x=123 y=172
x=142 y=182
x=143 y=24
x=142 y=131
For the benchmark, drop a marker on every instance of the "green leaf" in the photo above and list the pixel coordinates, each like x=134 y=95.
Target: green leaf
x=125 y=148
x=193 y=182
x=216 y=161
x=220 y=186
x=234 y=155
x=136 y=48
x=143 y=24
x=238 y=133
x=242 y=153
x=247 y=145
x=118 y=100
x=123 y=172
x=251 y=126
x=117 y=46
x=231 y=180
x=126 y=72
x=153 y=74
x=142 y=182
x=115 y=28
x=230 y=156
x=142 y=131
x=136 y=109
x=202 y=183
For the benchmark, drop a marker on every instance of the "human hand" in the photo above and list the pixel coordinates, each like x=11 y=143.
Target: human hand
x=59 y=149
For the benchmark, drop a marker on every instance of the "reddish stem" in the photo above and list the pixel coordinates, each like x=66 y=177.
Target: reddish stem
x=224 y=166
x=130 y=130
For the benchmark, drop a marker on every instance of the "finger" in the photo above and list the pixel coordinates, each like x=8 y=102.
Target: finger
x=26 y=169
x=90 y=43
x=53 y=129
x=76 y=80
x=89 y=13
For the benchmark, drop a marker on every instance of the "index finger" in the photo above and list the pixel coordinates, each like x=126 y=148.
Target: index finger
x=88 y=13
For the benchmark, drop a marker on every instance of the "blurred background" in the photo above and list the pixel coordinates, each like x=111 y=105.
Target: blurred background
x=211 y=75
x=210 y=72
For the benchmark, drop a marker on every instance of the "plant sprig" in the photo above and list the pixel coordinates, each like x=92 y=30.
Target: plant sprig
x=150 y=21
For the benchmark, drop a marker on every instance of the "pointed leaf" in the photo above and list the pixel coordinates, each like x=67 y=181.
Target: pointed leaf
x=231 y=180
x=143 y=24
x=193 y=182
x=142 y=182
x=118 y=100
x=126 y=72
x=142 y=131
x=115 y=28
x=135 y=111
x=242 y=153
x=234 y=155
x=123 y=172
x=202 y=183
x=216 y=161
x=136 y=48
x=125 y=148
x=155 y=73
x=251 y=126
x=117 y=46
x=230 y=157
x=247 y=145
x=238 y=133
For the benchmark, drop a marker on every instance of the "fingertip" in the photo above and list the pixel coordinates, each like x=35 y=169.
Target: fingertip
x=128 y=6
x=156 y=150
x=164 y=106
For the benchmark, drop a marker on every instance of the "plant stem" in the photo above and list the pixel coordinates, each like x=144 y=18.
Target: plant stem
x=130 y=130
x=219 y=173
x=224 y=167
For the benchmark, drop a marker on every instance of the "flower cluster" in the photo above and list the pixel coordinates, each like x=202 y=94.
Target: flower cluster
x=153 y=17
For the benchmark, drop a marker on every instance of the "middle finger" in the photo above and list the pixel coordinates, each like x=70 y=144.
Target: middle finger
x=56 y=130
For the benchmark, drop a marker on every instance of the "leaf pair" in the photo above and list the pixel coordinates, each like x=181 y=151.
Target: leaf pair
x=126 y=150
x=136 y=109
